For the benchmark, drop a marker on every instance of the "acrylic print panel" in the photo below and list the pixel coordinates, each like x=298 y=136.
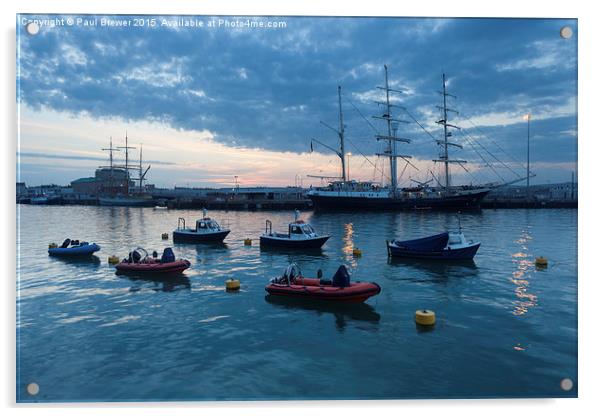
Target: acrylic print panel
x=190 y=186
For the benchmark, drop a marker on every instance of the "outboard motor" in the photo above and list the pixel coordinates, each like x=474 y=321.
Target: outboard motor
x=168 y=256
x=136 y=256
x=66 y=243
x=341 y=278
x=324 y=282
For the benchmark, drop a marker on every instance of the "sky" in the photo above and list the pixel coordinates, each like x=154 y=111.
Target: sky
x=211 y=103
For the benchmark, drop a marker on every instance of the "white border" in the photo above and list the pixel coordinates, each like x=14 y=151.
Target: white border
x=590 y=72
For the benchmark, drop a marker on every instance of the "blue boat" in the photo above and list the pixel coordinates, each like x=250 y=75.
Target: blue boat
x=74 y=248
x=445 y=246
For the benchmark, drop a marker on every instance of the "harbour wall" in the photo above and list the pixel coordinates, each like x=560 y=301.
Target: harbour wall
x=563 y=195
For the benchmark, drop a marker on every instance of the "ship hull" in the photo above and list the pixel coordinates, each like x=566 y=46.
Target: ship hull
x=285 y=243
x=125 y=202
x=345 y=203
x=194 y=237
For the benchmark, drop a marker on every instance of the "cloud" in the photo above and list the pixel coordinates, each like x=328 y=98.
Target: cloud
x=557 y=54
x=80 y=157
x=269 y=89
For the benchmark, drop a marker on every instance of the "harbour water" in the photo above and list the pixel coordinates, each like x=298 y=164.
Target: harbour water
x=504 y=328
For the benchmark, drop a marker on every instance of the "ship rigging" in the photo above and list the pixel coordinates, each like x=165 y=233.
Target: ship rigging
x=344 y=193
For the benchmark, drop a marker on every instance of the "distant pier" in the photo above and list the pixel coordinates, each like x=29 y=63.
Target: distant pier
x=561 y=195
x=238 y=198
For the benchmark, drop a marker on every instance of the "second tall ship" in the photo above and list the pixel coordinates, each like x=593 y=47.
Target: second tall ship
x=121 y=189
x=345 y=194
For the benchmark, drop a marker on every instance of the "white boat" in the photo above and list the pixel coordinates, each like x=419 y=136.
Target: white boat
x=44 y=199
x=206 y=230
x=301 y=235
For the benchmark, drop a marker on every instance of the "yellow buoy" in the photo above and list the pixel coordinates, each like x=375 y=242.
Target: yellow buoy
x=425 y=317
x=248 y=241
x=52 y=245
x=232 y=284
x=164 y=236
x=357 y=252
x=113 y=259
x=541 y=262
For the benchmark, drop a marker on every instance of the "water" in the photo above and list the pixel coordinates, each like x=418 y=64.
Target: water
x=504 y=328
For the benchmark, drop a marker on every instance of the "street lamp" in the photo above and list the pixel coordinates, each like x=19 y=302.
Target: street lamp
x=348 y=157
x=527 y=117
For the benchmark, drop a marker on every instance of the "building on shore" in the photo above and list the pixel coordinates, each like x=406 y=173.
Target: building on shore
x=551 y=195
x=104 y=179
x=234 y=198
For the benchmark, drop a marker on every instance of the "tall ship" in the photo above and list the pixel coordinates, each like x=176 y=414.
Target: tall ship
x=344 y=194
x=120 y=189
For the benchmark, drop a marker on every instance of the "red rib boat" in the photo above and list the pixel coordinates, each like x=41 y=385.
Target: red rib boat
x=339 y=289
x=140 y=263
x=153 y=266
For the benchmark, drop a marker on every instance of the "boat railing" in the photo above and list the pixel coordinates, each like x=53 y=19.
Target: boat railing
x=225 y=223
x=268 y=227
x=181 y=224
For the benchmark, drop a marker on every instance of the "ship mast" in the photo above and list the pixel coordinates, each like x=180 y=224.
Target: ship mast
x=392 y=139
x=140 y=168
x=127 y=166
x=341 y=151
x=141 y=174
x=111 y=149
x=342 y=138
x=445 y=143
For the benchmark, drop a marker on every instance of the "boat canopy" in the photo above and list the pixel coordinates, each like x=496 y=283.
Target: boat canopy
x=296 y=228
x=433 y=243
x=207 y=224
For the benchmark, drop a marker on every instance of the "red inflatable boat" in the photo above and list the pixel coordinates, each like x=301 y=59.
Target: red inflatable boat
x=153 y=266
x=139 y=262
x=339 y=289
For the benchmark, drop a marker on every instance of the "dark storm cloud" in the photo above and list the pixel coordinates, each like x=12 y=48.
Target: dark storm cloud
x=269 y=88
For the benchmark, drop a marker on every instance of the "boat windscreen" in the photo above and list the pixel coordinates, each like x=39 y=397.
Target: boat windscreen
x=308 y=229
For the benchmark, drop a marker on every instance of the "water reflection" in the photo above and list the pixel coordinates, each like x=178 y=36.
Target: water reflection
x=278 y=261
x=291 y=251
x=158 y=283
x=57 y=301
x=435 y=271
x=79 y=261
x=342 y=312
x=520 y=276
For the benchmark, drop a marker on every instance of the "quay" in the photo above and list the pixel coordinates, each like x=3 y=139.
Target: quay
x=239 y=198
x=560 y=195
